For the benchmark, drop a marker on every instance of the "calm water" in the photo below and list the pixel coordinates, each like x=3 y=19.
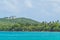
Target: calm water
x=29 y=35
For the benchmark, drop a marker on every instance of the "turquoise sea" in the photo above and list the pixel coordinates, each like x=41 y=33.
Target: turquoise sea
x=29 y=35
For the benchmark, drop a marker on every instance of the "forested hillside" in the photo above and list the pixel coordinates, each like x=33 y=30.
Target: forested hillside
x=25 y=24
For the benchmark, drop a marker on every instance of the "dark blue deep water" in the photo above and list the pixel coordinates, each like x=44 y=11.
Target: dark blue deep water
x=29 y=35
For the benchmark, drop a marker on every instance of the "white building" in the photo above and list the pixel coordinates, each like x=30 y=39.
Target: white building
x=11 y=17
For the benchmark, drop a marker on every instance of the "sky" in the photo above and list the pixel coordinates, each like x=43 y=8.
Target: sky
x=39 y=10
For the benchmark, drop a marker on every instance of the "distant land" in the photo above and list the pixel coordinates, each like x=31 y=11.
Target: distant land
x=25 y=24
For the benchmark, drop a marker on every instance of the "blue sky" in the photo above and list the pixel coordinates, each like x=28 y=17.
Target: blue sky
x=40 y=10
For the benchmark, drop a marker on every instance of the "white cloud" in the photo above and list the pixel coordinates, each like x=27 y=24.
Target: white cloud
x=50 y=0
x=28 y=3
x=14 y=6
x=10 y=6
x=50 y=6
x=55 y=0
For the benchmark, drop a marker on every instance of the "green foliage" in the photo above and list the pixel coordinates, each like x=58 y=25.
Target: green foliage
x=25 y=24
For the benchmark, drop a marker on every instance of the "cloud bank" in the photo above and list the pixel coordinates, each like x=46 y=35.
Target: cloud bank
x=31 y=8
x=14 y=5
x=28 y=3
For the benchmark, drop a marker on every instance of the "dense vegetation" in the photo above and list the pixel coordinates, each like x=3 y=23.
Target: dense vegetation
x=25 y=24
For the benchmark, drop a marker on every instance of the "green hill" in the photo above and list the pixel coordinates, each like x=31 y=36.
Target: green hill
x=19 y=20
x=26 y=24
x=17 y=24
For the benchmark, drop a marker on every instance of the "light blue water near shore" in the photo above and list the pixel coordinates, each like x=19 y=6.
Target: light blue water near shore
x=29 y=35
